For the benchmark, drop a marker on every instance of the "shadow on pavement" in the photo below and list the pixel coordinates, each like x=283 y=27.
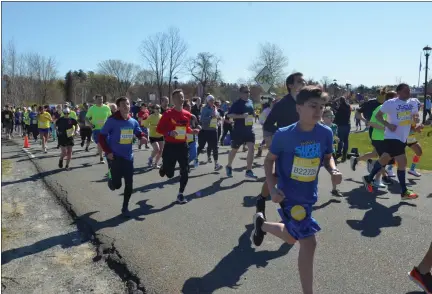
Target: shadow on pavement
x=240 y=169
x=250 y=201
x=236 y=263
x=377 y=215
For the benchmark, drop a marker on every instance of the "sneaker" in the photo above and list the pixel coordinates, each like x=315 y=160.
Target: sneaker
x=378 y=184
x=367 y=184
x=423 y=281
x=87 y=150
x=260 y=205
x=45 y=150
x=257 y=233
x=181 y=199
x=259 y=153
x=147 y=147
x=228 y=170
x=150 y=161
x=139 y=147
x=386 y=181
x=161 y=171
x=158 y=166
x=209 y=160
x=390 y=172
x=217 y=167
x=249 y=174
x=409 y=195
x=353 y=163
x=414 y=173
x=101 y=160
x=336 y=192
x=196 y=163
x=60 y=165
x=67 y=167
x=82 y=144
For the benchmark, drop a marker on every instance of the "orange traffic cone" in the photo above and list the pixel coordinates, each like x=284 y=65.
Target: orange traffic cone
x=26 y=142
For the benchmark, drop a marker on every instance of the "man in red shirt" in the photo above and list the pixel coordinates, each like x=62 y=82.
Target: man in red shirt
x=143 y=114
x=174 y=124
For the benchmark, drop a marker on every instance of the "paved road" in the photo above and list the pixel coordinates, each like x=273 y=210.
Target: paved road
x=367 y=243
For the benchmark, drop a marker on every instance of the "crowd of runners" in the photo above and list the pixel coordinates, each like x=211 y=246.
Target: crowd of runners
x=298 y=131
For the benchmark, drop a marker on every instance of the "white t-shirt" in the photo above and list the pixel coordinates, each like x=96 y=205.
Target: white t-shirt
x=400 y=113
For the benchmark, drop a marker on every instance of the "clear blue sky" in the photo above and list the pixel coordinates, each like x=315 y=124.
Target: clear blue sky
x=364 y=43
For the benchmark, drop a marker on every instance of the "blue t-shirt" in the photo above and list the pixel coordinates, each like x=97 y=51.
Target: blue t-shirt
x=33 y=118
x=300 y=156
x=240 y=107
x=120 y=135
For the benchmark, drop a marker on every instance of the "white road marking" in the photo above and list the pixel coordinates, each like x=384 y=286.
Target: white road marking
x=28 y=153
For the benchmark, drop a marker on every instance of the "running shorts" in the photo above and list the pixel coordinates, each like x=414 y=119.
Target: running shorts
x=394 y=147
x=155 y=139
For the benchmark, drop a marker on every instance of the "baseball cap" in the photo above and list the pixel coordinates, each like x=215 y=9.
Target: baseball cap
x=66 y=110
x=210 y=98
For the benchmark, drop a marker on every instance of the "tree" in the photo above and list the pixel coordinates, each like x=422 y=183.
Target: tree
x=124 y=72
x=325 y=81
x=204 y=69
x=145 y=77
x=69 y=86
x=155 y=53
x=104 y=85
x=177 y=49
x=272 y=56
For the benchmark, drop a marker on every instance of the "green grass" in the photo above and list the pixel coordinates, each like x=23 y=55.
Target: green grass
x=362 y=142
x=6 y=166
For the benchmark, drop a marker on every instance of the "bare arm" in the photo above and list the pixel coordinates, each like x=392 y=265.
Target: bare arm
x=329 y=163
x=268 y=169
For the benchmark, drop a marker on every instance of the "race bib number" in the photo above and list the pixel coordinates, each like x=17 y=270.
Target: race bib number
x=181 y=133
x=34 y=121
x=213 y=123
x=305 y=169
x=404 y=118
x=70 y=132
x=190 y=138
x=126 y=136
x=6 y=116
x=41 y=125
x=411 y=139
x=249 y=120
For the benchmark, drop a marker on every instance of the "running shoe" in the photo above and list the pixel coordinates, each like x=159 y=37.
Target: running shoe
x=386 y=181
x=257 y=233
x=101 y=160
x=209 y=160
x=161 y=171
x=196 y=163
x=87 y=150
x=150 y=161
x=423 y=281
x=414 y=173
x=409 y=195
x=217 y=167
x=353 y=163
x=367 y=184
x=390 y=172
x=249 y=174
x=228 y=170
x=158 y=166
x=82 y=144
x=181 y=199
x=378 y=184
x=260 y=205
x=336 y=192
x=67 y=167
x=60 y=165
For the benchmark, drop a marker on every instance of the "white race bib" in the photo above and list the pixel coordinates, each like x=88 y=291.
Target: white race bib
x=126 y=136
x=305 y=169
x=213 y=123
x=404 y=118
x=190 y=138
x=249 y=120
x=181 y=133
x=70 y=132
x=34 y=121
x=6 y=116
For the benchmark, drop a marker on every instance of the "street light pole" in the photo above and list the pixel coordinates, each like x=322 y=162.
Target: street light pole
x=427 y=51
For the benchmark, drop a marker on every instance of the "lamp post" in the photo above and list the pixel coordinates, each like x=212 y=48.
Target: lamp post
x=175 y=83
x=335 y=87
x=427 y=52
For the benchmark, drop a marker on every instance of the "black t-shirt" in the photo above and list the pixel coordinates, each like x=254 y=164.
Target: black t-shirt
x=368 y=108
x=7 y=116
x=65 y=127
x=343 y=115
x=283 y=114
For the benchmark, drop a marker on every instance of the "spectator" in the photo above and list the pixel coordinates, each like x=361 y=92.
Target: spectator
x=342 y=120
x=427 y=106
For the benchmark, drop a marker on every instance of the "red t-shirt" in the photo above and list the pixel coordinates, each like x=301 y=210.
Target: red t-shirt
x=174 y=120
x=142 y=116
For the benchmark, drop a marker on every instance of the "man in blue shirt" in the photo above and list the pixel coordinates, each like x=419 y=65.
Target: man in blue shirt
x=115 y=138
x=243 y=114
x=299 y=151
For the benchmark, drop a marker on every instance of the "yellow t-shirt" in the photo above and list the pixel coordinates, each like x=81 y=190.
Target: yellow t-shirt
x=44 y=120
x=151 y=123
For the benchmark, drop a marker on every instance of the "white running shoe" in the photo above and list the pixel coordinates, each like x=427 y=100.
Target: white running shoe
x=379 y=184
x=414 y=173
x=390 y=172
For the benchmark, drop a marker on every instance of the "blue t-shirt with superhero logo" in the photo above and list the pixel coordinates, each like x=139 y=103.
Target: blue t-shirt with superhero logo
x=240 y=107
x=120 y=134
x=299 y=158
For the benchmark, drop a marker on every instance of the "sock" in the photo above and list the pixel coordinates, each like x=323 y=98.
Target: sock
x=376 y=168
x=415 y=160
x=401 y=178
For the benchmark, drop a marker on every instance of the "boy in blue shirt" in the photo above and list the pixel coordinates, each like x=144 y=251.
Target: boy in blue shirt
x=121 y=129
x=299 y=150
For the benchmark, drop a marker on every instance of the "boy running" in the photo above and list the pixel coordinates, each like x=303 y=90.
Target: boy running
x=299 y=150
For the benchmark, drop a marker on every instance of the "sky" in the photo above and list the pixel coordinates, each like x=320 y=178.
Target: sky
x=359 y=42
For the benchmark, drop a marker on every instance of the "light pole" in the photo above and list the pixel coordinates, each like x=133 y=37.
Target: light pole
x=175 y=83
x=335 y=88
x=427 y=51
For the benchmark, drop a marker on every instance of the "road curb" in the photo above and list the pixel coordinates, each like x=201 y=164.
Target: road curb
x=105 y=246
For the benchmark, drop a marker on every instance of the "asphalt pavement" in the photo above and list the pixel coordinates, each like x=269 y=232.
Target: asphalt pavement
x=368 y=242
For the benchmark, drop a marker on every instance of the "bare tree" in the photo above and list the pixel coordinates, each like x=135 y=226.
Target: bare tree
x=204 y=69
x=145 y=77
x=272 y=56
x=155 y=52
x=177 y=49
x=124 y=72
x=325 y=81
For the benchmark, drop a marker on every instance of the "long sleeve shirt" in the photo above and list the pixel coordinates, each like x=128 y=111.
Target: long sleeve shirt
x=174 y=120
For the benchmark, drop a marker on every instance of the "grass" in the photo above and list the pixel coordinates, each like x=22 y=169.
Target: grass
x=6 y=166
x=362 y=142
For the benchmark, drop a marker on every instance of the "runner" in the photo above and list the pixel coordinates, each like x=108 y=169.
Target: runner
x=120 y=128
x=164 y=104
x=18 y=121
x=85 y=130
x=67 y=128
x=96 y=116
x=143 y=114
x=299 y=150
x=242 y=112
x=174 y=124
x=208 y=133
x=421 y=275
x=26 y=122
x=7 y=121
x=44 y=122
x=283 y=114
x=191 y=138
x=415 y=146
x=156 y=139
x=400 y=112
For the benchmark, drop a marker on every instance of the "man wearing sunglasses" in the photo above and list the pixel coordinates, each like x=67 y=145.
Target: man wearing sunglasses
x=283 y=114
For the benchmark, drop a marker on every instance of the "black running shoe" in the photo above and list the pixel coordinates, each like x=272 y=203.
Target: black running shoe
x=161 y=172
x=60 y=165
x=181 y=199
x=260 y=205
x=82 y=144
x=258 y=234
x=353 y=163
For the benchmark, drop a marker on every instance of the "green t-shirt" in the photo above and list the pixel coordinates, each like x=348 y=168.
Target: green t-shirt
x=377 y=135
x=98 y=115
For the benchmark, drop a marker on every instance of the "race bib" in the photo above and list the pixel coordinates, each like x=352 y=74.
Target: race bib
x=6 y=116
x=305 y=169
x=213 y=123
x=249 y=120
x=34 y=121
x=181 y=133
x=41 y=125
x=70 y=132
x=126 y=136
x=404 y=118
x=411 y=139
x=190 y=138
